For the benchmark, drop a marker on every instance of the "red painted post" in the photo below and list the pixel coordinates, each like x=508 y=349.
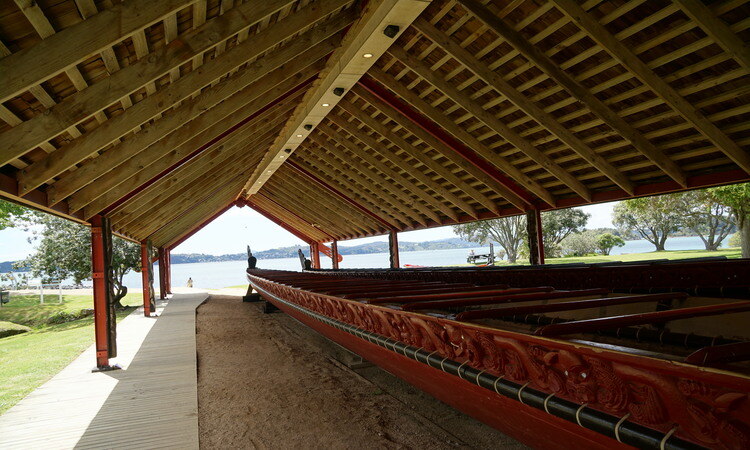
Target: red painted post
x=393 y=248
x=539 y=235
x=335 y=254
x=162 y=273
x=314 y=255
x=168 y=271
x=145 y=280
x=98 y=269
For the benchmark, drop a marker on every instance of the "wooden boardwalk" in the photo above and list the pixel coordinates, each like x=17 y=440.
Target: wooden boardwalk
x=151 y=403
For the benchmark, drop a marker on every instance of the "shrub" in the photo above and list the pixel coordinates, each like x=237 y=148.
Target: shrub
x=605 y=242
x=579 y=244
x=735 y=240
x=10 y=329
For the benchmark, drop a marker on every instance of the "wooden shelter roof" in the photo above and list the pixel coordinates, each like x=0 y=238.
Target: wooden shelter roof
x=162 y=114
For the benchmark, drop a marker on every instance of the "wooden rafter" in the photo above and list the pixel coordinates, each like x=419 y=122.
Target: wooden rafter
x=584 y=95
x=522 y=102
x=78 y=107
x=63 y=50
x=667 y=93
x=87 y=145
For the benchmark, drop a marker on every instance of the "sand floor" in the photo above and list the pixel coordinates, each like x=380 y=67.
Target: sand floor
x=267 y=381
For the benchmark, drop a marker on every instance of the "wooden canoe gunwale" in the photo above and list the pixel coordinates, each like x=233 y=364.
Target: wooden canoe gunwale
x=474 y=352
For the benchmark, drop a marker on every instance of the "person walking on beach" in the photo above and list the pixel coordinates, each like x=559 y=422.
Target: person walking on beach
x=190 y=282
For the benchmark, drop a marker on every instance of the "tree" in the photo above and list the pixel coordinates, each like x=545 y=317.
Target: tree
x=707 y=217
x=558 y=224
x=579 y=244
x=605 y=242
x=508 y=232
x=654 y=218
x=64 y=251
x=9 y=211
x=737 y=198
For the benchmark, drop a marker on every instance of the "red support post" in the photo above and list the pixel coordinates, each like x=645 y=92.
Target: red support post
x=162 y=273
x=145 y=262
x=168 y=271
x=98 y=274
x=393 y=249
x=335 y=254
x=314 y=255
x=539 y=235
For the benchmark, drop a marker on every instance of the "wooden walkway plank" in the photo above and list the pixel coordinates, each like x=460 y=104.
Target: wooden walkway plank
x=152 y=402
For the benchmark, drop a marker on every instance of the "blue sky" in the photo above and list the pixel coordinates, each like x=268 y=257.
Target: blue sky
x=242 y=226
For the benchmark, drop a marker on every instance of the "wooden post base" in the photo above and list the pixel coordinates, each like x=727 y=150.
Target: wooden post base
x=269 y=307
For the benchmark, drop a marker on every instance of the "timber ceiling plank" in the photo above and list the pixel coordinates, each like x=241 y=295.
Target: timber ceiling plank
x=65 y=49
x=119 y=85
x=522 y=102
x=388 y=154
x=89 y=144
x=666 y=92
x=119 y=166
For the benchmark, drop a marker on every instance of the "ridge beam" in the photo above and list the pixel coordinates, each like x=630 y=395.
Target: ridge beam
x=364 y=44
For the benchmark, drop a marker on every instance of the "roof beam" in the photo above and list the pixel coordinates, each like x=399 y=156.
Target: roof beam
x=717 y=29
x=383 y=169
x=82 y=105
x=87 y=145
x=508 y=189
x=545 y=119
x=346 y=66
x=70 y=46
x=214 y=155
x=340 y=194
x=378 y=199
x=495 y=124
x=383 y=132
x=296 y=233
x=553 y=70
x=621 y=53
x=150 y=165
x=272 y=208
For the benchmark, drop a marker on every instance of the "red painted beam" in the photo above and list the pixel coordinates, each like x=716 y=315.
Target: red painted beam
x=197 y=228
x=454 y=144
x=315 y=255
x=338 y=193
x=208 y=144
x=278 y=221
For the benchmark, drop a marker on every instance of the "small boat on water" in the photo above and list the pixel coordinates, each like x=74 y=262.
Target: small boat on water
x=647 y=355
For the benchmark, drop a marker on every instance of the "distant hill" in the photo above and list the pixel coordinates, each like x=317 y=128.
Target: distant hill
x=291 y=252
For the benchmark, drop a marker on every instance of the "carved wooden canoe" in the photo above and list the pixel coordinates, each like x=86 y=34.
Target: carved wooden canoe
x=550 y=358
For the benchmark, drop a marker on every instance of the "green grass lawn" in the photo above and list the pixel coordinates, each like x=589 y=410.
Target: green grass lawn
x=28 y=360
x=670 y=254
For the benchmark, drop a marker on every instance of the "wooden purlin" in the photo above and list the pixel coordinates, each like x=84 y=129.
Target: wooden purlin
x=121 y=186
x=308 y=206
x=666 y=92
x=214 y=155
x=522 y=102
x=282 y=214
x=297 y=184
x=195 y=193
x=298 y=234
x=216 y=167
x=411 y=151
x=612 y=119
x=374 y=141
x=348 y=180
x=409 y=187
x=371 y=177
x=84 y=147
